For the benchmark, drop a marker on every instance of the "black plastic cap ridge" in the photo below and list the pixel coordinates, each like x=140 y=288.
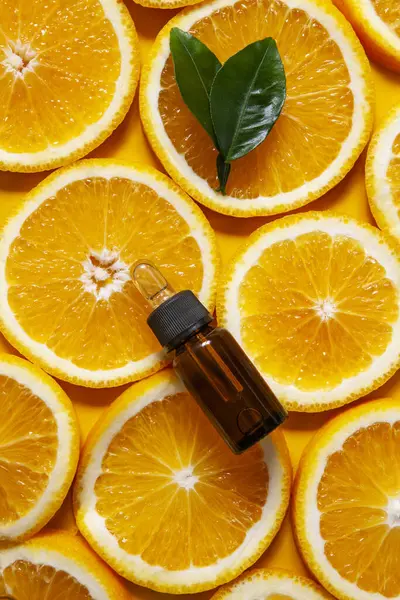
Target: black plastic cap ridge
x=178 y=318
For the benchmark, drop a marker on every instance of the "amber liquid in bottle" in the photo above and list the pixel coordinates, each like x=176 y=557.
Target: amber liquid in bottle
x=211 y=364
x=228 y=387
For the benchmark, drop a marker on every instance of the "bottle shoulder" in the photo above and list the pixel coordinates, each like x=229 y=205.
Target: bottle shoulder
x=214 y=336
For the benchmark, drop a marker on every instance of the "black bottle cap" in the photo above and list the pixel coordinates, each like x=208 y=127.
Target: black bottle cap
x=176 y=319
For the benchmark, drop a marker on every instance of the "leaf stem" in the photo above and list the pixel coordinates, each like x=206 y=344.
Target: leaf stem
x=223 y=170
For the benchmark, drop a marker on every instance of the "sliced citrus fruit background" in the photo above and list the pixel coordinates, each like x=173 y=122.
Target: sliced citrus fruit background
x=271 y=584
x=163 y=500
x=325 y=123
x=68 y=74
x=57 y=565
x=347 y=503
x=39 y=448
x=319 y=292
x=383 y=173
x=67 y=300
x=377 y=24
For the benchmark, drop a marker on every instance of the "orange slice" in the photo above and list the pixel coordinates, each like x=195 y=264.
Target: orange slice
x=383 y=173
x=271 y=584
x=165 y=502
x=68 y=74
x=39 y=448
x=67 y=298
x=314 y=301
x=347 y=503
x=57 y=565
x=377 y=24
x=325 y=123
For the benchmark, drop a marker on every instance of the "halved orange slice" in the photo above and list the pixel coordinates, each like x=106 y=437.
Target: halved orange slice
x=324 y=125
x=57 y=565
x=160 y=496
x=68 y=74
x=347 y=503
x=377 y=23
x=383 y=173
x=271 y=584
x=39 y=448
x=67 y=299
x=314 y=299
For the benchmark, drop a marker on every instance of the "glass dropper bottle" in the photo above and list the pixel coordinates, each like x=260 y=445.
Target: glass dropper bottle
x=209 y=361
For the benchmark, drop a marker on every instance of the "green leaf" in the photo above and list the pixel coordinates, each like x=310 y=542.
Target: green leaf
x=247 y=97
x=195 y=70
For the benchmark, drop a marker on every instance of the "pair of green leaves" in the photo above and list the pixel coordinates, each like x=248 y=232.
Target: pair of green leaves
x=238 y=102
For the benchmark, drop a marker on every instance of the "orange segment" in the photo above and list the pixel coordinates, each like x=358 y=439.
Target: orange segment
x=60 y=66
x=279 y=164
x=68 y=269
x=389 y=12
x=27 y=457
x=322 y=305
x=38 y=581
x=184 y=485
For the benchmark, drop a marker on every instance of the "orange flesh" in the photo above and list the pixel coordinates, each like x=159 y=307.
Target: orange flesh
x=393 y=172
x=389 y=12
x=26 y=581
x=28 y=449
x=65 y=62
x=319 y=304
x=46 y=262
x=317 y=115
x=151 y=514
x=353 y=496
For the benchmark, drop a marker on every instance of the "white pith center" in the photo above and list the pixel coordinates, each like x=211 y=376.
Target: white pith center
x=185 y=478
x=325 y=309
x=19 y=58
x=393 y=512
x=104 y=274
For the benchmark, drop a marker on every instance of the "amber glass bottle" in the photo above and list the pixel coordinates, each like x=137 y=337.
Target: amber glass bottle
x=211 y=364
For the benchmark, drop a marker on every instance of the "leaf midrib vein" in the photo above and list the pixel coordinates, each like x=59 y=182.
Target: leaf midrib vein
x=244 y=105
x=197 y=70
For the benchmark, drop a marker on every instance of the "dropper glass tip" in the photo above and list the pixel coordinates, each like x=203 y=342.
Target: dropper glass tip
x=151 y=283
